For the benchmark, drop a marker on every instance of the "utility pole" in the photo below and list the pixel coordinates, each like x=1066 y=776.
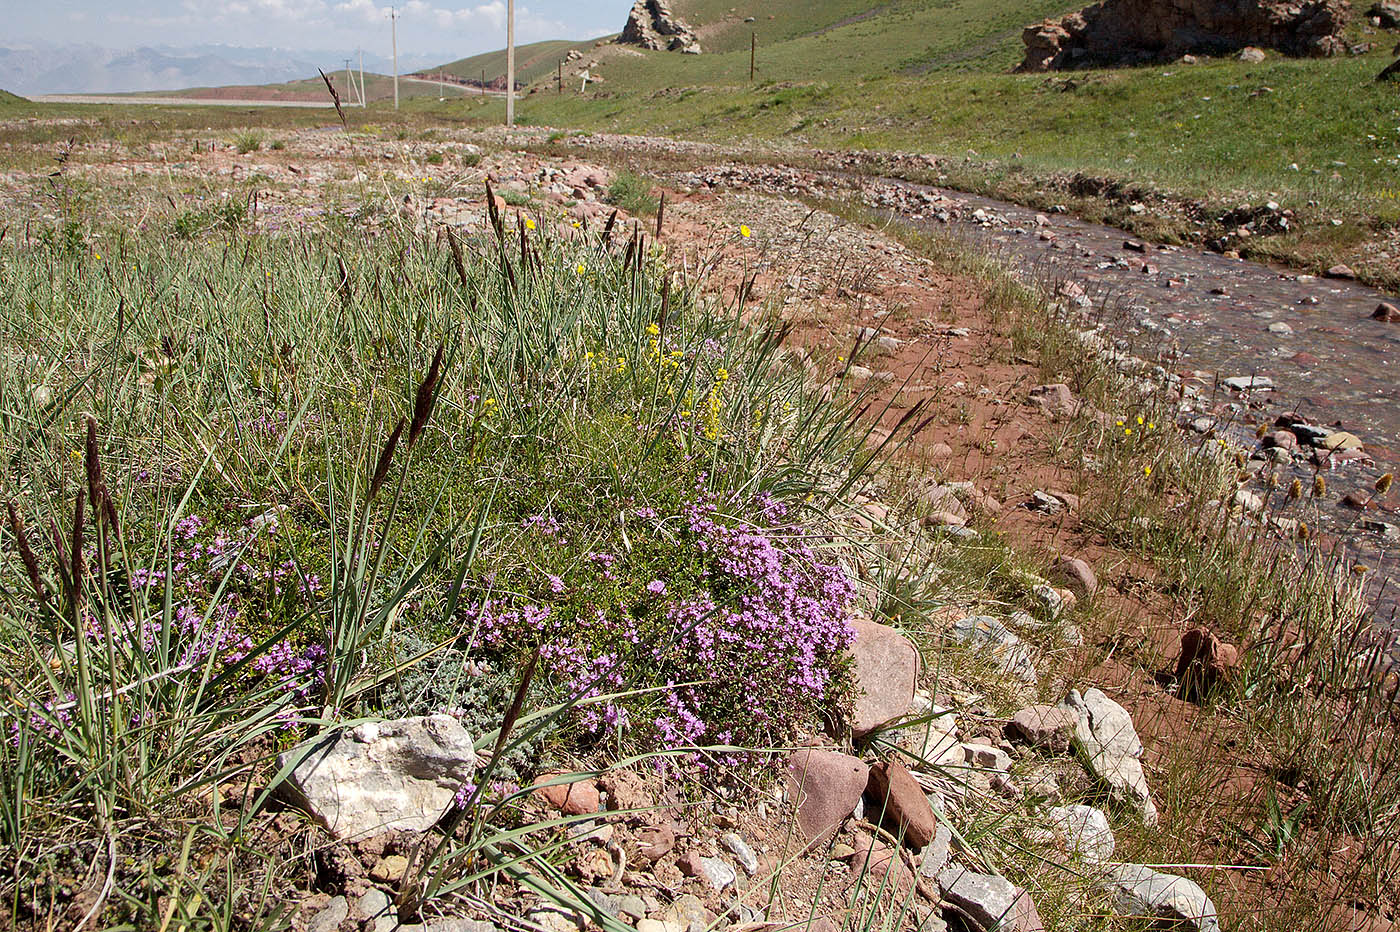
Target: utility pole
x=394 y=31
x=361 y=53
x=753 y=55
x=510 y=62
x=351 y=81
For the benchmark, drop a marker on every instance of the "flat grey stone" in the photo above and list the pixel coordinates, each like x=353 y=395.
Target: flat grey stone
x=984 y=633
x=937 y=852
x=329 y=918
x=717 y=873
x=372 y=904
x=1142 y=892
x=992 y=902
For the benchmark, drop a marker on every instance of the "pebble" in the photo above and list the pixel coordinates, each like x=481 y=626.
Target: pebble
x=741 y=851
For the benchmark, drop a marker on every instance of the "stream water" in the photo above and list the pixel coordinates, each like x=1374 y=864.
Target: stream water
x=1195 y=310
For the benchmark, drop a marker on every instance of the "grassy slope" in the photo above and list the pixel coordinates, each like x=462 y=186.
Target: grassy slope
x=935 y=76
x=532 y=62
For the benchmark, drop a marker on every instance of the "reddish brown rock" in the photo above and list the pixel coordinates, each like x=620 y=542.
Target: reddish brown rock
x=825 y=786
x=656 y=841
x=1388 y=312
x=580 y=798
x=1076 y=574
x=886 y=668
x=1356 y=501
x=897 y=796
x=1205 y=662
x=875 y=866
x=1056 y=400
x=1044 y=726
x=1280 y=439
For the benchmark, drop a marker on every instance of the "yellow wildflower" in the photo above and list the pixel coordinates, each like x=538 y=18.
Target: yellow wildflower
x=529 y=223
x=581 y=268
x=744 y=231
x=722 y=375
x=653 y=330
x=1147 y=470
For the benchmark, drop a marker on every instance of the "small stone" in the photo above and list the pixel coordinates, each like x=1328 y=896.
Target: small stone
x=1341 y=440
x=1246 y=500
x=1246 y=383
x=390 y=869
x=986 y=757
x=1204 y=663
x=1387 y=311
x=1108 y=743
x=372 y=904
x=943 y=519
x=1085 y=831
x=1056 y=400
x=658 y=925
x=741 y=851
x=1280 y=327
x=1075 y=573
x=937 y=853
x=1140 y=892
x=656 y=841
x=1044 y=726
x=1009 y=652
x=690 y=911
x=329 y=918
x=1252 y=54
x=578 y=798
x=991 y=901
x=1341 y=270
x=396 y=774
x=1280 y=440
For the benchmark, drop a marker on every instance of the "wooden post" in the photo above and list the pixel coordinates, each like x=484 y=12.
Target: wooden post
x=753 y=55
x=559 y=78
x=660 y=212
x=483 y=82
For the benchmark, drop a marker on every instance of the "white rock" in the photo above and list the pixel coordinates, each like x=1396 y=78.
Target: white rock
x=1085 y=831
x=1142 y=892
x=1244 y=383
x=1105 y=738
x=400 y=774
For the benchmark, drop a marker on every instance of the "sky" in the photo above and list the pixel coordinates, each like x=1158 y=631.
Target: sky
x=454 y=28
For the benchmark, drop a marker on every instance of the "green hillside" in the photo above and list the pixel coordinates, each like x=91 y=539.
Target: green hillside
x=9 y=100
x=532 y=62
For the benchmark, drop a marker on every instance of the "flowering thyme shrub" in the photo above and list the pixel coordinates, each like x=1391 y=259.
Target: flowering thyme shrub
x=736 y=620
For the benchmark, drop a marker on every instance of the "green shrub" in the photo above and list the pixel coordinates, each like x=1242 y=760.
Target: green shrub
x=632 y=193
x=248 y=141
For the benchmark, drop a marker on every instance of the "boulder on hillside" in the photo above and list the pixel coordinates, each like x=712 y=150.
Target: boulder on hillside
x=652 y=25
x=1386 y=13
x=1126 y=32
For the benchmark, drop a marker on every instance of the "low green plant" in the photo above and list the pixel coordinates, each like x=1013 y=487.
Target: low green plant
x=248 y=141
x=632 y=193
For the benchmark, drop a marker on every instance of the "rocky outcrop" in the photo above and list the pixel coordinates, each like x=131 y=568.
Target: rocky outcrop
x=1125 y=32
x=652 y=25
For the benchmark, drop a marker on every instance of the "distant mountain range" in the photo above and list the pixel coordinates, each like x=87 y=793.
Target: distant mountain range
x=75 y=69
